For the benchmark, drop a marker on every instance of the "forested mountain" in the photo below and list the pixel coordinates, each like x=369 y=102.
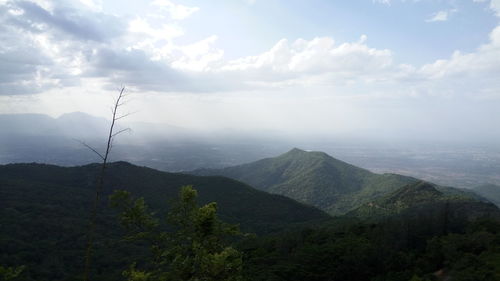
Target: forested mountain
x=490 y=192
x=45 y=211
x=320 y=180
x=314 y=178
x=424 y=198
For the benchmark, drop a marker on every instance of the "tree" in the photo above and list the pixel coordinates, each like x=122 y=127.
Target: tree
x=10 y=273
x=195 y=249
x=100 y=181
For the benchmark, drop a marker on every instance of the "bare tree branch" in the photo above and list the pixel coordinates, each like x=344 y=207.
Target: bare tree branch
x=124 y=115
x=90 y=147
x=118 y=102
x=121 y=131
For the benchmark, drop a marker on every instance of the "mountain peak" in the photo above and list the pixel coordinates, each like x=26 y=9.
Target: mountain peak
x=296 y=151
x=419 y=187
x=315 y=178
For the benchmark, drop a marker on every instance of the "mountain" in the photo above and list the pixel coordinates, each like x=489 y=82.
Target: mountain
x=425 y=199
x=237 y=201
x=26 y=138
x=45 y=210
x=314 y=178
x=72 y=125
x=490 y=192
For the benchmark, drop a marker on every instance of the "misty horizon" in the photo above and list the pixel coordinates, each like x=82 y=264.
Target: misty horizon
x=335 y=74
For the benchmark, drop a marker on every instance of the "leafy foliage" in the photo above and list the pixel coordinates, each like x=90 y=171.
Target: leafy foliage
x=195 y=250
x=399 y=249
x=10 y=273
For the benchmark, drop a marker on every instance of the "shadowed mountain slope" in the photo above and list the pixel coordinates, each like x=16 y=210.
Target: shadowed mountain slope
x=490 y=192
x=237 y=201
x=44 y=214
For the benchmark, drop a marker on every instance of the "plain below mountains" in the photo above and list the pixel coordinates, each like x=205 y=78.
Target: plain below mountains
x=318 y=179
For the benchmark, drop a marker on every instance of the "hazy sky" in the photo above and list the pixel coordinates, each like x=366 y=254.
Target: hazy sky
x=389 y=68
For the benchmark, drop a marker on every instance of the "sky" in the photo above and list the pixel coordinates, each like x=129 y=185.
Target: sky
x=405 y=69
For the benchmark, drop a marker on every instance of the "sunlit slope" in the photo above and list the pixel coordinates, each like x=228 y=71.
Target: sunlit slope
x=314 y=178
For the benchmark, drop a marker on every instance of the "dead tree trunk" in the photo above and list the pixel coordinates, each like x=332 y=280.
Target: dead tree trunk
x=100 y=180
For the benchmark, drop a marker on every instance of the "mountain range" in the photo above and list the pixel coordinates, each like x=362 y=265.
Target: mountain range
x=45 y=211
x=320 y=180
x=45 y=208
x=314 y=178
x=41 y=138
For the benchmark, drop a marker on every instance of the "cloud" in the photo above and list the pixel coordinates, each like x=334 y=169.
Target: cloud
x=176 y=11
x=494 y=5
x=319 y=56
x=386 y=2
x=439 y=16
x=44 y=47
x=79 y=24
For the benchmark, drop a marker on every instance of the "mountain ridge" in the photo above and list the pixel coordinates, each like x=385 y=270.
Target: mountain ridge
x=425 y=199
x=314 y=178
x=237 y=201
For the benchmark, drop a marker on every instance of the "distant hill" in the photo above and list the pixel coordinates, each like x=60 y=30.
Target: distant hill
x=314 y=178
x=72 y=125
x=40 y=138
x=422 y=197
x=490 y=192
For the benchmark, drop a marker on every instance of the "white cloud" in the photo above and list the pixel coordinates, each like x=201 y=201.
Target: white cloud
x=198 y=56
x=176 y=11
x=485 y=62
x=143 y=52
x=164 y=32
x=495 y=6
x=95 y=5
x=440 y=16
x=319 y=55
x=386 y=2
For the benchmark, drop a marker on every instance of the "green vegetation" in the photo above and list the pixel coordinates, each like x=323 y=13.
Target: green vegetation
x=401 y=249
x=197 y=248
x=490 y=192
x=44 y=215
x=314 y=178
x=422 y=233
x=422 y=196
x=10 y=273
x=320 y=180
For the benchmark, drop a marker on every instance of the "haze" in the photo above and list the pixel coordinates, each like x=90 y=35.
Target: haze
x=366 y=69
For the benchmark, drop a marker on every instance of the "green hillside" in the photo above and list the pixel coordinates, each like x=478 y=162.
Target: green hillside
x=422 y=197
x=490 y=192
x=314 y=178
x=45 y=212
